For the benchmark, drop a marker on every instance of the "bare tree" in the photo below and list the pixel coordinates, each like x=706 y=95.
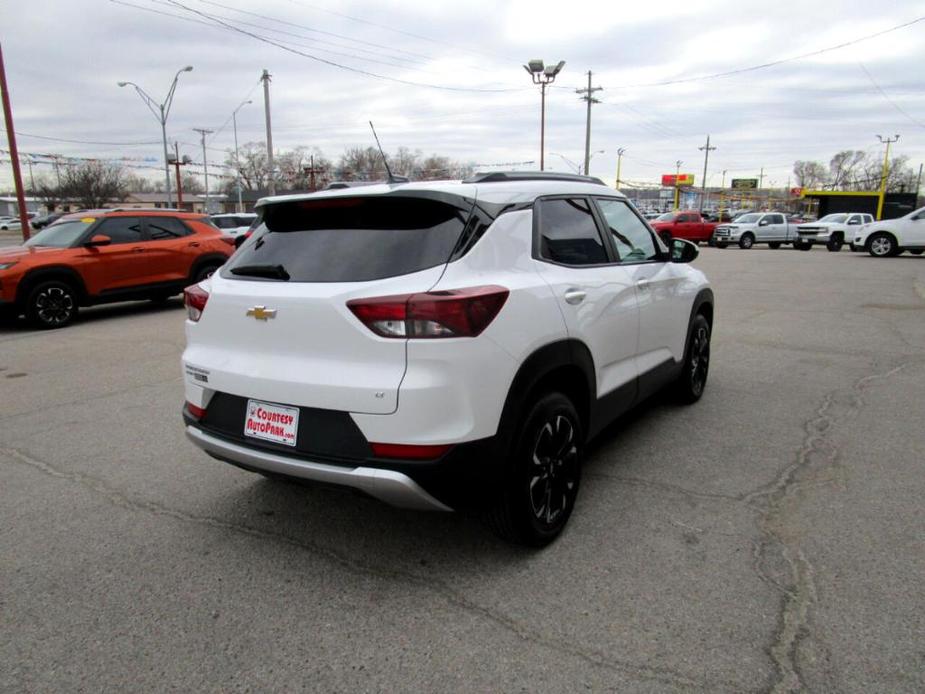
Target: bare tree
x=252 y=169
x=49 y=192
x=810 y=174
x=94 y=184
x=843 y=168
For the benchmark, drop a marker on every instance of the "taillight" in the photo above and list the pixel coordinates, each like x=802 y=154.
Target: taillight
x=406 y=451
x=195 y=298
x=448 y=313
x=195 y=411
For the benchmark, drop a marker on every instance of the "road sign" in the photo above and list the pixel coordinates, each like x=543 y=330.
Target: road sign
x=672 y=180
x=745 y=184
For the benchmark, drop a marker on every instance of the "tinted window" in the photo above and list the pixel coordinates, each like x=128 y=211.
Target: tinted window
x=166 y=228
x=121 y=229
x=631 y=236
x=225 y=222
x=343 y=239
x=775 y=219
x=568 y=233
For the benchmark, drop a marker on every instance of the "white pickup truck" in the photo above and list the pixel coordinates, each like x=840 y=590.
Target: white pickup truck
x=833 y=230
x=771 y=228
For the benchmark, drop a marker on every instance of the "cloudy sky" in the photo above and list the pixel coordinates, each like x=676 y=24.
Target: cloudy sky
x=446 y=77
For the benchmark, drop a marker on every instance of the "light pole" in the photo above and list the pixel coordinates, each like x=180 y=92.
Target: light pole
x=620 y=152
x=706 y=149
x=543 y=75
x=205 y=163
x=237 y=161
x=886 y=171
x=677 y=189
x=161 y=111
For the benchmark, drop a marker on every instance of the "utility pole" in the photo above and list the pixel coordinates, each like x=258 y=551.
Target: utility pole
x=266 y=107
x=677 y=189
x=311 y=171
x=620 y=151
x=886 y=171
x=588 y=97
x=205 y=164
x=14 y=153
x=706 y=149
x=237 y=161
x=176 y=164
x=918 y=185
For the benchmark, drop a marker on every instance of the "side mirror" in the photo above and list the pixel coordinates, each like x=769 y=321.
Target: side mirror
x=98 y=240
x=682 y=251
x=764 y=223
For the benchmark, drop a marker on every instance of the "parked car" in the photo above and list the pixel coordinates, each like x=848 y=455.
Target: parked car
x=10 y=224
x=890 y=237
x=439 y=353
x=685 y=224
x=44 y=220
x=748 y=229
x=832 y=231
x=234 y=224
x=105 y=256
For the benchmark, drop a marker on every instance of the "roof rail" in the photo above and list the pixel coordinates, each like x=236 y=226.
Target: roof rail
x=502 y=176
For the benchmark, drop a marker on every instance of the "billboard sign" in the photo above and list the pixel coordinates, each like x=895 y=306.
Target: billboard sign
x=745 y=184
x=672 y=180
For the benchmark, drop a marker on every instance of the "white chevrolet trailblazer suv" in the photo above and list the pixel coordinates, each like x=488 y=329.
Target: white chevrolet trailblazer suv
x=442 y=345
x=889 y=237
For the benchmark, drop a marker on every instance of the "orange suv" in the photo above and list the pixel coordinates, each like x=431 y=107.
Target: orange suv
x=101 y=256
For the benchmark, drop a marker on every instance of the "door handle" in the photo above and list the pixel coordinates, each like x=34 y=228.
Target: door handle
x=138 y=250
x=195 y=244
x=642 y=285
x=575 y=296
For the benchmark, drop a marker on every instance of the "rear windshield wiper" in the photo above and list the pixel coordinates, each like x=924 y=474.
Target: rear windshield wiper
x=274 y=272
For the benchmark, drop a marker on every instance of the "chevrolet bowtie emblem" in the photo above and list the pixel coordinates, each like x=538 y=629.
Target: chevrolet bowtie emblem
x=261 y=312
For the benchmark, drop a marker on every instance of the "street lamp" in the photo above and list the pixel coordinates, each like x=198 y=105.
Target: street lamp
x=542 y=75
x=237 y=162
x=161 y=112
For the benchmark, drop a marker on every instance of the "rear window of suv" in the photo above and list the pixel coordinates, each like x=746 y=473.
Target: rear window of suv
x=350 y=239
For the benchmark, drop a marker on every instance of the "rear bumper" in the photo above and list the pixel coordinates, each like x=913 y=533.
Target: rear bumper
x=390 y=486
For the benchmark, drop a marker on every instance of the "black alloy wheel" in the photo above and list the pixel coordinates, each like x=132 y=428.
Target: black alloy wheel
x=544 y=474
x=51 y=305
x=835 y=243
x=721 y=244
x=693 y=379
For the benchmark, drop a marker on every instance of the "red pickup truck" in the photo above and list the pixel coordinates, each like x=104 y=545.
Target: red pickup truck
x=685 y=224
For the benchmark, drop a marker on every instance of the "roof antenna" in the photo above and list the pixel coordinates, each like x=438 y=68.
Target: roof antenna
x=392 y=178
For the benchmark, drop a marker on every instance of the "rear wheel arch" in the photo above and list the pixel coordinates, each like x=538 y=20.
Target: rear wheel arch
x=203 y=261
x=565 y=366
x=702 y=306
x=45 y=274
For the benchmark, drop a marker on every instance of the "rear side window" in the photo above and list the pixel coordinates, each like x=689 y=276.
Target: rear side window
x=166 y=228
x=351 y=239
x=568 y=234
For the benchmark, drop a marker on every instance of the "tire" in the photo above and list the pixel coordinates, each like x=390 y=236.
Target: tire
x=800 y=246
x=774 y=245
x=854 y=248
x=746 y=241
x=882 y=245
x=543 y=474
x=835 y=243
x=51 y=305
x=721 y=244
x=204 y=272
x=917 y=251
x=693 y=379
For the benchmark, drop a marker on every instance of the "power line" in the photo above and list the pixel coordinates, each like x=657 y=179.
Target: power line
x=774 y=63
x=887 y=97
x=356 y=70
x=86 y=142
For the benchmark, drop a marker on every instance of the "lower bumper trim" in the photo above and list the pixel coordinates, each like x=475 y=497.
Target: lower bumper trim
x=389 y=486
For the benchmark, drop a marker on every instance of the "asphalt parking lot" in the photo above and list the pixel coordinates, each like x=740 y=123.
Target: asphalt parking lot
x=769 y=538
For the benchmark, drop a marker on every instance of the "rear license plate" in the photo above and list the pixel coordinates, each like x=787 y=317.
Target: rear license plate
x=270 y=422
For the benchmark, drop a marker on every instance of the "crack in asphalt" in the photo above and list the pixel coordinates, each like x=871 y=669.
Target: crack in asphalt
x=817 y=452
x=441 y=589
